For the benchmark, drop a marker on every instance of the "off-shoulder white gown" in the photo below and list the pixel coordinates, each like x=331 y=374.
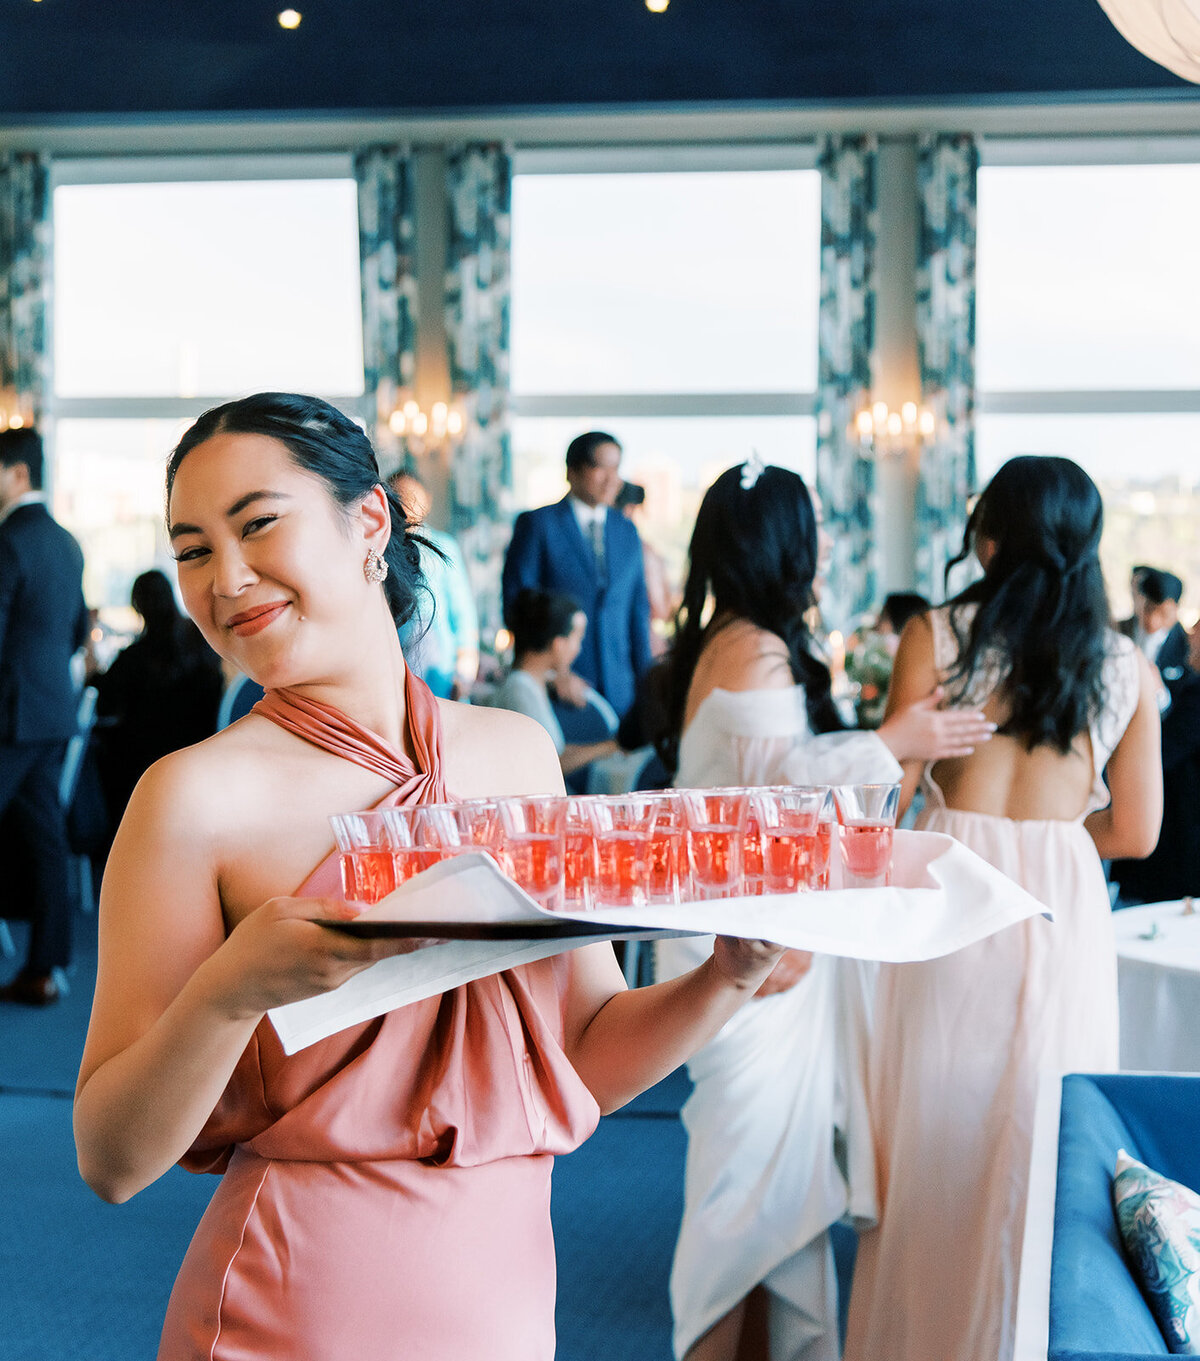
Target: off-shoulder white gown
x=957 y=1048
x=778 y=1143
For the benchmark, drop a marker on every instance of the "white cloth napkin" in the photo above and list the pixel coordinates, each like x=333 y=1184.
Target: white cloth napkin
x=943 y=898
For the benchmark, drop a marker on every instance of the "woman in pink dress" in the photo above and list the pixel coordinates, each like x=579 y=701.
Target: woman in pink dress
x=959 y=1042
x=385 y=1192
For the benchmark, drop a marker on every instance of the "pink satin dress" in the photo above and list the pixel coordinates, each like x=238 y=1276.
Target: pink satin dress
x=386 y=1192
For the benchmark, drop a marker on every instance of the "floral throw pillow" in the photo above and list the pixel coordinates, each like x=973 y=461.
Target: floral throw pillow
x=1160 y=1227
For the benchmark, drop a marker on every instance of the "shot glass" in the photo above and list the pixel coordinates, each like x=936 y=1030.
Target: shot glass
x=867 y=827
x=623 y=824
x=579 y=876
x=471 y=825
x=365 y=852
x=535 y=845
x=790 y=817
x=716 y=821
x=670 y=878
x=413 y=840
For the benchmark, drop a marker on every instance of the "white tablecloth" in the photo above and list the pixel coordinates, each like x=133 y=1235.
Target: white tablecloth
x=1159 y=980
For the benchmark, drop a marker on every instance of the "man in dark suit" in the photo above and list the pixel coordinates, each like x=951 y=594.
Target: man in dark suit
x=583 y=548
x=1155 y=625
x=1172 y=869
x=43 y=621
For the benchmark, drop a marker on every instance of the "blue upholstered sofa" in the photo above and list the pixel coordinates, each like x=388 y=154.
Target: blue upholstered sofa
x=1096 y=1310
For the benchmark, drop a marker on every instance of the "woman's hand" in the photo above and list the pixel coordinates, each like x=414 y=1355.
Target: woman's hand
x=923 y=732
x=791 y=968
x=279 y=954
x=745 y=964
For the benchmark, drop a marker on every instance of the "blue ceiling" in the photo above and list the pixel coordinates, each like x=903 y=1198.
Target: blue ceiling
x=118 y=57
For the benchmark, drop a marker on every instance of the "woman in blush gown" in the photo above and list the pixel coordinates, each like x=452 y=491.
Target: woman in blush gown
x=384 y=1192
x=959 y=1042
x=778 y=1142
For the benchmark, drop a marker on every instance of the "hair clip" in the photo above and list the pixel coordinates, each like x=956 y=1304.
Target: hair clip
x=752 y=470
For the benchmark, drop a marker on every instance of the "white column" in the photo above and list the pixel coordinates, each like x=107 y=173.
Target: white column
x=895 y=367
x=431 y=381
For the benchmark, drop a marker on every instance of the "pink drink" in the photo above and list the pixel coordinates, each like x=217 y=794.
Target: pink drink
x=367 y=876
x=820 y=845
x=666 y=867
x=623 y=867
x=752 y=858
x=867 y=854
x=537 y=865
x=787 y=857
x=717 y=859
x=410 y=860
x=580 y=865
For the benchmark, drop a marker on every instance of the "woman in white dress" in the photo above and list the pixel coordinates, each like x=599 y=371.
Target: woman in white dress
x=959 y=1042
x=778 y=1144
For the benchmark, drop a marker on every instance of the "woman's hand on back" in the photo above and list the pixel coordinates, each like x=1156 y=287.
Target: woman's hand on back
x=922 y=731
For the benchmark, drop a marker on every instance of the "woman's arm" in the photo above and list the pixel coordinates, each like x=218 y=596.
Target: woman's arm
x=915 y=730
x=1128 y=828
x=621 y=1041
x=176 y=1001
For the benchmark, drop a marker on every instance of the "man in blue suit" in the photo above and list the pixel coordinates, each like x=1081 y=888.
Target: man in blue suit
x=585 y=549
x=43 y=621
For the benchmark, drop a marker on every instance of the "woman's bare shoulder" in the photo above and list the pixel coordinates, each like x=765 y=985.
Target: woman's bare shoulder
x=741 y=656
x=496 y=751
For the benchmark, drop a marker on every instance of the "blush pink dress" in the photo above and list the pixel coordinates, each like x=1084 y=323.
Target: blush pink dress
x=957 y=1048
x=386 y=1192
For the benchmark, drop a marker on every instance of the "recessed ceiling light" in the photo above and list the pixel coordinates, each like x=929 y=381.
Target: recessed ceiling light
x=289 y=18
x=657 y=6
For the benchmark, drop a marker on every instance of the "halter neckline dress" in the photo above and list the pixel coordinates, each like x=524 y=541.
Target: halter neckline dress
x=386 y=1191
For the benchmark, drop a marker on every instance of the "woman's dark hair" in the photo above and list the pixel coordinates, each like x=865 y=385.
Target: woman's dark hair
x=537 y=618
x=328 y=444
x=170 y=644
x=754 y=555
x=901 y=606
x=1041 y=605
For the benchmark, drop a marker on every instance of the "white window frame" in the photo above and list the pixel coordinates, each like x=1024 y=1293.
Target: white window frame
x=662 y=159
x=1072 y=151
x=190 y=169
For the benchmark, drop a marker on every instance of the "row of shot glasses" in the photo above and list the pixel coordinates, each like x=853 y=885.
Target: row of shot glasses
x=630 y=850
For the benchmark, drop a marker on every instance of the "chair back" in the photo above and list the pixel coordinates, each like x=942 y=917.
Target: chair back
x=85 y=719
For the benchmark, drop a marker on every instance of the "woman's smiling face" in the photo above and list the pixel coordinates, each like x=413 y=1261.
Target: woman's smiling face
x=270 y=566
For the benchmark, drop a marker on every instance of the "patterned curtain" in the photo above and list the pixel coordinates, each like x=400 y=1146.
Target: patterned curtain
x=386 y=242
x=845 y=478
x=479 y=191
x=25 y=265
x=947 y=173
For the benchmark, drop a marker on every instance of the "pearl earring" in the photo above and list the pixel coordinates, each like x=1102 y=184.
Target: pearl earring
x=374 y=569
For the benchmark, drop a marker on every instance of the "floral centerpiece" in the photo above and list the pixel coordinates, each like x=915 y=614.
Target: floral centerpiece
x=869 y=668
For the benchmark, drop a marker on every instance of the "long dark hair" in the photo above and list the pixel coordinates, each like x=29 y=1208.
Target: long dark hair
x=753 y=554
x=1041 y=606
x=170 y=645
x=328 y=444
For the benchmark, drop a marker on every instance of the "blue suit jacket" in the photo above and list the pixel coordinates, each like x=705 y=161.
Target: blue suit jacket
x=43 y=620
x=548 y=552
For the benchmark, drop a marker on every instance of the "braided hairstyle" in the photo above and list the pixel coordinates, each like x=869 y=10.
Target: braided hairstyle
x=753 y=556
x=1041 y=605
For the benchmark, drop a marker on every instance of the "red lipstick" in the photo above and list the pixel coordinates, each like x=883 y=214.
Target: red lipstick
x=256 y=619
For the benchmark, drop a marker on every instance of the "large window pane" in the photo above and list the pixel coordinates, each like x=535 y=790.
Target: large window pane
x=1148 y=472
x=207 y=289
x=673 y=282
x=674 y=458
x=109 y=492
x=1088 y=277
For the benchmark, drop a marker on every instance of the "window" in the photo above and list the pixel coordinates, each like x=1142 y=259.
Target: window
x=1088 y=343
x=674 y=306
x=176 y=293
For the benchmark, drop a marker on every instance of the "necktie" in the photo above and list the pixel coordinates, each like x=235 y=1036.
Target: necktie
x=597 y=530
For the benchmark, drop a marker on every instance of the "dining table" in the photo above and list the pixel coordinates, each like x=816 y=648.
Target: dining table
x=1158 y=976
